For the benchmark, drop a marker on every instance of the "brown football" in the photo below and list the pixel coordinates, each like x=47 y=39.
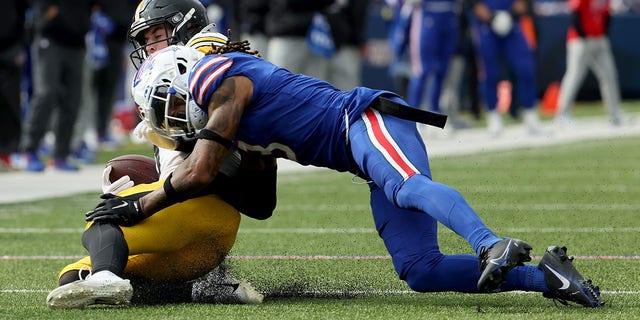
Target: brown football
x=140 y=168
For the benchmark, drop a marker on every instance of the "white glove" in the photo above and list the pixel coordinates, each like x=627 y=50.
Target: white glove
x=168 y=160
x=117 y=186
x=501 y=23
x=144 y=131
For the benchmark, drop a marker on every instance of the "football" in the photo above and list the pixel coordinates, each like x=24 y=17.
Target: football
x=140 y=168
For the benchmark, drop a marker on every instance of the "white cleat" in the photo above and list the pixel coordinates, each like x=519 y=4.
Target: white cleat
x=247 y=294
x=220 y=287
x=83 y=293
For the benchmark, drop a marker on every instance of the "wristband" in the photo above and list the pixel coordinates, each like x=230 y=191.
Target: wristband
x=172 y=194
x=210 y=135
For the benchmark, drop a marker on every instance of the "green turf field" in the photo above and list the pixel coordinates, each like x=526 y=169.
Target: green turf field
x=319 y=257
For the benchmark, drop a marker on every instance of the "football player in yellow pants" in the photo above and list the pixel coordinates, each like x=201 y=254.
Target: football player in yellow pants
x=188 y=239
x=165 y=253
x=184 y=242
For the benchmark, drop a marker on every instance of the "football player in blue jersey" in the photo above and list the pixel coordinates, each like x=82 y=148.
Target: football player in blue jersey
x=432 y=44
x=499 y=37
x=231 y=97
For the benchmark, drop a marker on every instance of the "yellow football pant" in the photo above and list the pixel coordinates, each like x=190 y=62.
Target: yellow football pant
x=182 y=242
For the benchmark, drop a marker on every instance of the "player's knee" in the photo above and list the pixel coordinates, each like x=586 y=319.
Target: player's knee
x=421 y=276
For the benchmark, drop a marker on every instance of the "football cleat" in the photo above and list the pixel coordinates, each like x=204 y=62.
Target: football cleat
x=220 y=287
x=499 y=259
x=34 y=164
x=83 y=293
x=565 y=283
x=64 y=165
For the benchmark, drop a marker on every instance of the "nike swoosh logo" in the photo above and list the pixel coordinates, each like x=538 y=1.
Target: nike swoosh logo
x=565 y=281
x=232 y=285
x=504 y=254
x=124 y=204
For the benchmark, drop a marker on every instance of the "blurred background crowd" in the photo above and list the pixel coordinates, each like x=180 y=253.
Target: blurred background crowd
x=65 y=70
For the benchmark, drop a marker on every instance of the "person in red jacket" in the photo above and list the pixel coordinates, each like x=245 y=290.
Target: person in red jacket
x=588 y=47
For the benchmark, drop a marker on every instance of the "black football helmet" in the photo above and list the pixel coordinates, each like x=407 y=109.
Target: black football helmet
x=181 y=19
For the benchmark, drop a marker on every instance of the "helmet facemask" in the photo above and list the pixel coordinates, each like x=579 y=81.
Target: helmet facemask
x=160 y=89
x=166 y=109
x=176 y=28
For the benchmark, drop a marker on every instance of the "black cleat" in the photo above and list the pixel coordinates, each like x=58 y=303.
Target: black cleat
x=565 y=283
x=499 y=259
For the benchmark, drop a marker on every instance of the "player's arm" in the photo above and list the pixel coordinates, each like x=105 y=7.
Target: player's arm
x=576 y=16
x=225 y=107
x=577 y=25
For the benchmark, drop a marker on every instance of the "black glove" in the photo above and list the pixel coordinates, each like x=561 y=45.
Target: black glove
x=124 y=211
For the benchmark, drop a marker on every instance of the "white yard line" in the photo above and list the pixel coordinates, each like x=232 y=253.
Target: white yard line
x=306 y=257
x=353 y=292
x=564 y=230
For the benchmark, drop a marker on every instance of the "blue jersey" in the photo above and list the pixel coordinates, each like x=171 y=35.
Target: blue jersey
x=499 y=4
x=291 y=115
x=306 y=119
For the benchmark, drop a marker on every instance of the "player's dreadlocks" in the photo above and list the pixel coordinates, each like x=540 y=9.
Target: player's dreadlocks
x=234 y=46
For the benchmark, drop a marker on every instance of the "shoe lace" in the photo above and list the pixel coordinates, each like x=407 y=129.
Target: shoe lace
x=83 y=268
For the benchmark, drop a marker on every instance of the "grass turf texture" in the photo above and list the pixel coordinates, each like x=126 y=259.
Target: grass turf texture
x=585 y=196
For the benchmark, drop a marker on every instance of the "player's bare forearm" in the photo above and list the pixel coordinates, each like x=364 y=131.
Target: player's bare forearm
x=193 y=175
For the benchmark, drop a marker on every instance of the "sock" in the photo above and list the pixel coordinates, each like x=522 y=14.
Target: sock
x=107 y=247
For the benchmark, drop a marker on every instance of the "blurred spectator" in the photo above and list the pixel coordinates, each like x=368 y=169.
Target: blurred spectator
x=287 y=24
x=113 y=24
x=251 y=16
x=58 y=51
x=398 y=36
x=432 y=44
x=588 y=47
x=110 y=22
x=347 y=22
x=12 y=58
x=460 y=88
x=498 y=36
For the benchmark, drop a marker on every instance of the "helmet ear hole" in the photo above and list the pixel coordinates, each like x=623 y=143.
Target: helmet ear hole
x=182 y=69
x=197 y=116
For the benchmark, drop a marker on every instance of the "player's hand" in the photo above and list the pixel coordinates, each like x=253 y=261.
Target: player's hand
x=144 y=132
x=501 y=23
x=124 y=211
x=117 y=186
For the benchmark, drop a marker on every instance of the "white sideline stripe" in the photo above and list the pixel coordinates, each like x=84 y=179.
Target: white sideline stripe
x=357 y=292
x=485 y=207
x=303 y=257
x=340 y=230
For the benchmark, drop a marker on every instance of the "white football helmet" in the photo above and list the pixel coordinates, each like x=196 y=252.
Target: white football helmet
x=160 y=90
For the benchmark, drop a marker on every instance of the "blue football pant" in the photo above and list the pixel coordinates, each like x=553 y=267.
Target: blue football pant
x=407 y=205
x=432 y=46
x=519 y=58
